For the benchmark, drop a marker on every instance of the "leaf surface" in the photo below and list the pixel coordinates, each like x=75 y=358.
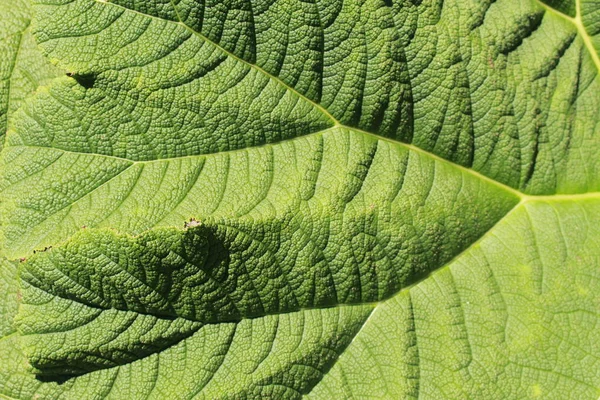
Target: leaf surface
x=501 y=321
x=22 y=67
x=278 y=199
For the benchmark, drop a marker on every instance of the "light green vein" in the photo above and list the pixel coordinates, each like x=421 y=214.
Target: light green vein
x=578 y=22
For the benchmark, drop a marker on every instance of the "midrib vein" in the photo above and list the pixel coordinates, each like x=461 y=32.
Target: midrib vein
x=520 y=195
x=586 y=38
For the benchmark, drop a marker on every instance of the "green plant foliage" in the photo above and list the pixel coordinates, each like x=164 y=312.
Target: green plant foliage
x=335 y=199
x=22 y=66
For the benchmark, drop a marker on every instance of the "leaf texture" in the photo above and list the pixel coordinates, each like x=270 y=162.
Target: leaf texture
x=22 y=66
x=510 y=316
x=280 y=199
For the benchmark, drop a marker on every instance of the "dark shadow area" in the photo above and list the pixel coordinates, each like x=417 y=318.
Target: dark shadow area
x=87 y=80
x=58 y=379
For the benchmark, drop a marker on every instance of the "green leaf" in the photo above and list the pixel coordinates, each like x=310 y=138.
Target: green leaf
x=22 y=66
x=584 y=15
x=515 y=316
x=336 y=199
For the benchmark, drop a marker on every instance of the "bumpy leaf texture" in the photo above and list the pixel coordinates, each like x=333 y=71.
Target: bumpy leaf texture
x=282 y=199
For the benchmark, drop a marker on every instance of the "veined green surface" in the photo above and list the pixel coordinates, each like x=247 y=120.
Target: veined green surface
x=278 y=199
x=22 y=66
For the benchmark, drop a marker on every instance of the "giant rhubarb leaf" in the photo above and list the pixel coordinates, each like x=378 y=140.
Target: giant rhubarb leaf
x=278 y=199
